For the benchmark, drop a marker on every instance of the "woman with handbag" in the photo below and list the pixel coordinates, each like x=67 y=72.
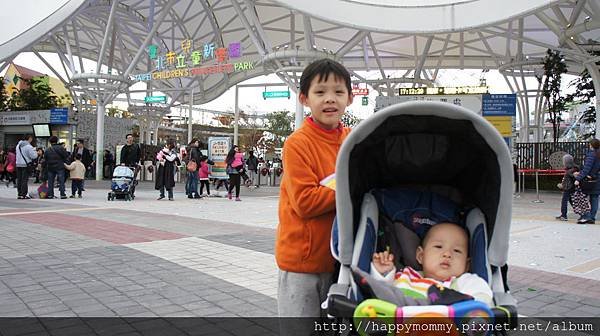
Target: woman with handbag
x=25 y=162
x=587 y=179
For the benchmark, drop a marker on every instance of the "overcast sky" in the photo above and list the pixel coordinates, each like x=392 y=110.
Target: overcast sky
x=19 y=15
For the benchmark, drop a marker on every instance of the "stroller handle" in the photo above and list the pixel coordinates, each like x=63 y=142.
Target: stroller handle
x=342 y=307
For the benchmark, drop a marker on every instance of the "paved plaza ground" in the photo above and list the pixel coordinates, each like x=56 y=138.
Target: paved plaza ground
x=214 y=257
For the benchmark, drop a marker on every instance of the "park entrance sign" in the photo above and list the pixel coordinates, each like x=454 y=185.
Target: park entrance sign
x=190 y=62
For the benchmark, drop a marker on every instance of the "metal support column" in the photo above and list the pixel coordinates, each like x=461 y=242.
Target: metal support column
x=99 y=139
x=236 y=118
x=299 y=112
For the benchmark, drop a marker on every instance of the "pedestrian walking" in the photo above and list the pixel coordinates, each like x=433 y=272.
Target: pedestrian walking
x=86 y=157
x=192 y=166
x=252 y=165
x=56 y=156
x=203 y=175
x=25 y=156
x=11 y=167
x=567 y=185
x=77 y=175
x=588 y=179
x=167 y=162
x=235 y=167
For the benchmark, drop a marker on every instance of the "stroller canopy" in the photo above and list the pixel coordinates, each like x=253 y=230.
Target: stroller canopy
x=122 y=171
x=427 y=144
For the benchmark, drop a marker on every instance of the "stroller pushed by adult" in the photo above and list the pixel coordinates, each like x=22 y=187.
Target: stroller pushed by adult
x=401 y=171
x=122 y=184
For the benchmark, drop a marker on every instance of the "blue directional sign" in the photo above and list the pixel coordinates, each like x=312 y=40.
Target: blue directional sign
x=59 y=115
x=276 y=94
x=499 y=105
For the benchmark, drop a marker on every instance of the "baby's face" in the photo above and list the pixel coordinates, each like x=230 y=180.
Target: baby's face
x=444 y=253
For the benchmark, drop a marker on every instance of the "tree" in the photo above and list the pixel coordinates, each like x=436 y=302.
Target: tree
x=554 y=68
x=3 y=96
x=281 y=125
x=585 y=93
x=37 y=95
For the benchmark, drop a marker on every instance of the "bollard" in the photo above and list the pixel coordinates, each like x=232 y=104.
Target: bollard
x=522 y=182
x=537 y=189
x=518 y=192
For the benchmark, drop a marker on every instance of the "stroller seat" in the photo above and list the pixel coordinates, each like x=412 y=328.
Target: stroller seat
x=399 y=218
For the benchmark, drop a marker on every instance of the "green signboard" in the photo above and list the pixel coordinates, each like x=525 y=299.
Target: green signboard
x=365 y=101
x=276 y=94
x=155 y=99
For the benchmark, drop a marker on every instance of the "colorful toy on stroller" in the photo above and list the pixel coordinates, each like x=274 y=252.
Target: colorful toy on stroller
x=122 y=184
x=406 y=168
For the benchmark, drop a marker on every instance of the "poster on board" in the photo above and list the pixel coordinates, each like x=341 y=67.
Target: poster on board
x=218 y=147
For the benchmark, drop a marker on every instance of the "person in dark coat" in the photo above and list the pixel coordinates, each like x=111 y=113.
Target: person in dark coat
x=130 y=153
x=591 y=167
x=109 y=163
x=167 y=162
x=252 y=164
x=194 y=154
x=567 y=185
x=55 y=158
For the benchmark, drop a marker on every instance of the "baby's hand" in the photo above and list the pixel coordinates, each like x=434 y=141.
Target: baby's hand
x=383 y=262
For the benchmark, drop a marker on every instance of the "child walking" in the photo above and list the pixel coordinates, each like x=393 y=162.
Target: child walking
x=203 y=173
x=77 y=175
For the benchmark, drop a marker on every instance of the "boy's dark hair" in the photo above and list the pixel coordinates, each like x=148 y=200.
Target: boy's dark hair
x=77 y=156
x=53 y=139
x=128 y=134
x=80 y=141
x=321 y=69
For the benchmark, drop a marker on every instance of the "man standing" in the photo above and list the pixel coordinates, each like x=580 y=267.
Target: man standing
x=130 y=156
x=56 y=156
x=130 y=153
x=25 y=155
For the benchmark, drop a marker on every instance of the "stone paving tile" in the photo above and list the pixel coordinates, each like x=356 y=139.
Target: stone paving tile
x=262 y=242
x=189 y=226
x=84 y=289
x=113 y=232
x=18 y=239
x=236 y=265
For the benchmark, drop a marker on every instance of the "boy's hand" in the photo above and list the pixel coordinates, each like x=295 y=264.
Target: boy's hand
x=383 y=262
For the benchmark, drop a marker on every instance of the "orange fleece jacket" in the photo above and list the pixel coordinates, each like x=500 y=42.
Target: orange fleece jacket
x=306 y=208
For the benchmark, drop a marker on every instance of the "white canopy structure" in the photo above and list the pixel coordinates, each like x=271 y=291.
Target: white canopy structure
x=282 y=36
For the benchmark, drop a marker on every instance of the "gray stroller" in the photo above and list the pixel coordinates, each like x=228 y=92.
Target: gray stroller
x=410 y=166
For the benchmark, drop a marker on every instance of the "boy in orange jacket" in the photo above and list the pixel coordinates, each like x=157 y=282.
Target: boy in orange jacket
x=306 y=208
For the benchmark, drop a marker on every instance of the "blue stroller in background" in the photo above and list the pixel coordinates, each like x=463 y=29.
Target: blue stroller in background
x=122 y=184
x=407 y=167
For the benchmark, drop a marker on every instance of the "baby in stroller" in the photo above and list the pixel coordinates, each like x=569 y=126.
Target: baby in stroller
x=443 y=255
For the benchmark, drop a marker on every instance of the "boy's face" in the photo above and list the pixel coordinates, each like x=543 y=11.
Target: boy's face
x=327 y=101
x=444 y=253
